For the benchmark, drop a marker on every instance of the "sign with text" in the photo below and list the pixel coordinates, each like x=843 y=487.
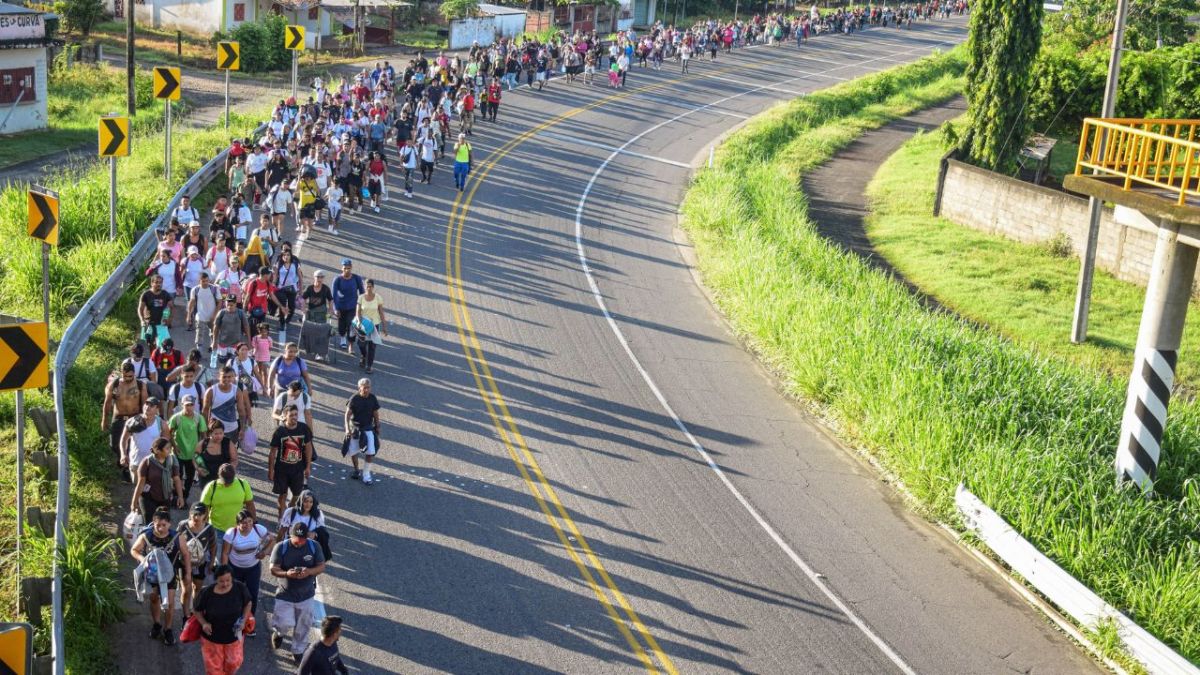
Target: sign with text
x=22 y=26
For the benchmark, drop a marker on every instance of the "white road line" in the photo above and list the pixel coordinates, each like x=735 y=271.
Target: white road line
x=605 y=146
x=769 y=87
x=680 y=104
x=813 y=577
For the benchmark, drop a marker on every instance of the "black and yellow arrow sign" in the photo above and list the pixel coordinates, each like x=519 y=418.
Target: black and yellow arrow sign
x=114 y=136
x=16 y=648
x=23 y=360
x=43 y=214
x=293 y=38
x=229 y=56
x=166 y=83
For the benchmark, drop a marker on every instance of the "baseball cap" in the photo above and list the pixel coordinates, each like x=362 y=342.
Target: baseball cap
x=346 y=262
x=153 y=400
x=199 y=508
x=299 y=530
x=189 y=399
x=193 y=249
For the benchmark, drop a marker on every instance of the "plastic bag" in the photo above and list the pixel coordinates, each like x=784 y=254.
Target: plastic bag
x=249 y=440
x=132 y=527
x=191 y=630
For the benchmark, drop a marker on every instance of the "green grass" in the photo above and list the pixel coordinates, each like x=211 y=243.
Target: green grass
x=934 y=399
x=422 y=37
x=1023 y=291
x=78 y=266
x=77 y=98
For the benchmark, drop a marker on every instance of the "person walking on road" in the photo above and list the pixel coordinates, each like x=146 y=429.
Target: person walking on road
x=289 y=462
x=295 y=563
x=200 y=537
x=152 y=571
x=462 y=162
x=231 y=327
x=245 y=546
x=408 y=164
x=223 y=608
x=372 y=323
x=362 y=430
x=123 y=399
x=158 y=482
x=346 y=289
x=226 y=495
x=322 y=657
x=203 y=303
x=137 y=441
x=185 y=429
x=227 y=403
x=295 y=395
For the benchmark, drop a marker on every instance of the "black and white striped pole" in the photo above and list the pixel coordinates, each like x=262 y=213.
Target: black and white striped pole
x=1139 y=449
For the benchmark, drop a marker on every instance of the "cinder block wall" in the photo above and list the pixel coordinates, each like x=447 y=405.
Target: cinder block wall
x=993 y=203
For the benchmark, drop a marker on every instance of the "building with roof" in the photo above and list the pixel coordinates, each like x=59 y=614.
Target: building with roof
x=24 y=35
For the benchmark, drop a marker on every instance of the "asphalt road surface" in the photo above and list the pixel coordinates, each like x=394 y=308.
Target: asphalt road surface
x=550 y=497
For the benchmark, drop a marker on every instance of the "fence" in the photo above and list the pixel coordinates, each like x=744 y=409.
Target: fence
x=93 y=313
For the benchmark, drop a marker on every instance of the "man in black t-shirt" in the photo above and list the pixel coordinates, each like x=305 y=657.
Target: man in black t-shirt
x=322 y=657
x=362 y=429
x=152 y=305
x=290 y=460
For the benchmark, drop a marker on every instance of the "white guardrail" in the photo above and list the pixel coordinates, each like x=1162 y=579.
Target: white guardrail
x=1066 y=592
x=81 y=329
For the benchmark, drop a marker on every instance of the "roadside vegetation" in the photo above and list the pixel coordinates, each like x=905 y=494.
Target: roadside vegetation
x=83 y=261
x=1023 y=291
x=77 y=97
x=936 y=400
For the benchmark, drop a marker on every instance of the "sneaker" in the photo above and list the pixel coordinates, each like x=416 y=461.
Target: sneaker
x=276 y=640
x=342 y=342
x=356 y=475
x=168 y=637
x=367 y=479
x=156 y=631
x=408 y=194
x=331 y=230
x=376 y=209
x=370 y=370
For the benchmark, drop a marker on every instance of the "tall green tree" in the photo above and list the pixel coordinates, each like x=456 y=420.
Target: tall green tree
x=1085 y=23
x=1004 y=41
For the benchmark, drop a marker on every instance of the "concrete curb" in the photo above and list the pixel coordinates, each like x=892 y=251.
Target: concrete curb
x=1052 y=581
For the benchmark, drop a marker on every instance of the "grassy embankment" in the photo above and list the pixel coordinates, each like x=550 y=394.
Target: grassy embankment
x=1024 y=291
x=78 y=97
x=933 y=399
x=78 y=266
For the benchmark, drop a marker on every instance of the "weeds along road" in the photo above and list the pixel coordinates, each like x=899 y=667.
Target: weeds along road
x=544 y=504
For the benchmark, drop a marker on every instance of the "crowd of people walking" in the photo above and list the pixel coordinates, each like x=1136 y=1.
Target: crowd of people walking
x=181 y=424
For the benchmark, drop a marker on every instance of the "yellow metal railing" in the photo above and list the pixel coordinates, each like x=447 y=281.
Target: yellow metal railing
x=1162 y=154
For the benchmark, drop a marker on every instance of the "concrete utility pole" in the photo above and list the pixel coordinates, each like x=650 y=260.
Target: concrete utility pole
x=1087 y=269
x=131 y=93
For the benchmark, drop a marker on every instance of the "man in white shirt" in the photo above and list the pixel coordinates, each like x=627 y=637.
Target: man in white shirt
x=185 y=213
x=202 y=309
x=293 y=395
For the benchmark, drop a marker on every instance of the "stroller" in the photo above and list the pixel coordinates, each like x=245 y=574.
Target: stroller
x=315 y=335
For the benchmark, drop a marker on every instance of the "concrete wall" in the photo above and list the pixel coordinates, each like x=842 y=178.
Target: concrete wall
x=191 y=16
x=1024 y=212
x=465 y=32
x=26 y=116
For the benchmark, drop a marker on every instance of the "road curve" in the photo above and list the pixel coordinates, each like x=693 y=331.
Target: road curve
x=588 y=474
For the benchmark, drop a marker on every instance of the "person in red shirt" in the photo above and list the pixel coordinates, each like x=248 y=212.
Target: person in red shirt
x=260 y=294
x=166 y=359
x=493 y=100
x=467 y=114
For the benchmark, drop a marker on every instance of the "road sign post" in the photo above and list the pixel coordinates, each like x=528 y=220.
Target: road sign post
x=293 y=39
x=167 y=87
x=229 y=57
x=114 y=142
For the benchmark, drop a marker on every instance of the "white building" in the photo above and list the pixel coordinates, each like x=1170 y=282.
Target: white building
x=23 y=44
x=492 y=22
x=205 y=17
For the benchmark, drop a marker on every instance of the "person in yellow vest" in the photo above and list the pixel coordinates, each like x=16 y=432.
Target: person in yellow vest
x=308 y=196
x=462 y=162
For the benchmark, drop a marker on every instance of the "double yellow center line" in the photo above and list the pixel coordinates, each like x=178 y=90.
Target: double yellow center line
x=576 y=545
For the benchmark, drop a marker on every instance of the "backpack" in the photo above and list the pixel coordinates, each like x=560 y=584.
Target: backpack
x=159 y=568
x=312 y=546
x=196 y=548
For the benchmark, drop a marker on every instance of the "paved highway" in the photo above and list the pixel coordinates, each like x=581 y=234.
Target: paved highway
x=583 y=471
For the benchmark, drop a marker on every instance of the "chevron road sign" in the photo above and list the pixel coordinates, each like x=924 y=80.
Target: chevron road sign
x=43 y=214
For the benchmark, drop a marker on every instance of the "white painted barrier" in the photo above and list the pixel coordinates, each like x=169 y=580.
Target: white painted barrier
x=1072 y=597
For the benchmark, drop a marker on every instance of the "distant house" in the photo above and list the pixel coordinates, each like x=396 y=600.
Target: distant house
x=205 y=17
x=492 y=22
x=586 y=17
x=23 y=41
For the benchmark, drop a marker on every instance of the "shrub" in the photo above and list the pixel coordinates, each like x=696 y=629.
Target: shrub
x=261 y=44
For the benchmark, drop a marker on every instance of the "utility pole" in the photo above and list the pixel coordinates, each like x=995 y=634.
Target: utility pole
x=1087 y=269
x=130 y=92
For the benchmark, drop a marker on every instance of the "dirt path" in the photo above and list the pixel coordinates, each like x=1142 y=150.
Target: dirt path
x=837 y=189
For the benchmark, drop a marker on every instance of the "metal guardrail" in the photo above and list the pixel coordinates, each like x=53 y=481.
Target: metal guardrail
x=80 y=330
x=1155 y=153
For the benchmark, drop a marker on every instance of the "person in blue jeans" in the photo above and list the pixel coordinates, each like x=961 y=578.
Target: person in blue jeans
x=462 y=162
x=346 y=288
